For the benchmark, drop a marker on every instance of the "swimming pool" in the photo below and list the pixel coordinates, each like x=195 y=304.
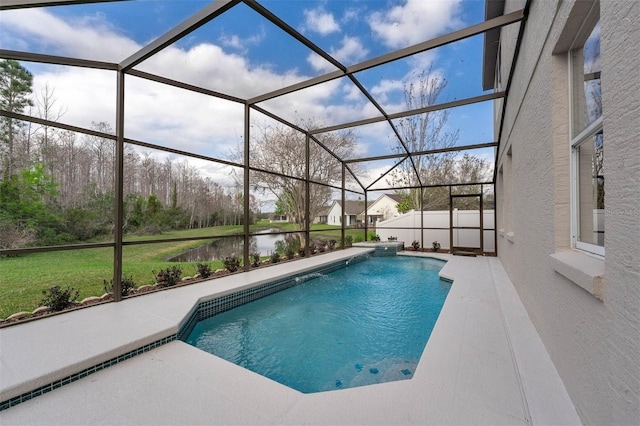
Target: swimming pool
x=365 y=323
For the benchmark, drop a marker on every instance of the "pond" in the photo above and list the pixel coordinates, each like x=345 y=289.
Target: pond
x=218 y=249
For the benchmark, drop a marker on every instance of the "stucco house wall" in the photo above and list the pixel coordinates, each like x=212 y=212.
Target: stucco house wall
x=586 y=308
x=383 y=208
x=334 y=215
x=353 y=213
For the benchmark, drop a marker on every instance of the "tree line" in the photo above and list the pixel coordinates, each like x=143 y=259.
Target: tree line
x=57 y=186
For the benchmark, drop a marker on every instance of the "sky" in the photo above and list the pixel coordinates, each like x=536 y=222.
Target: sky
x=242 y=54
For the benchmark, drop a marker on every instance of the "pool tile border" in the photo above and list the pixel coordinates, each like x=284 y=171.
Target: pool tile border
x=84 y=373
x=217 y=305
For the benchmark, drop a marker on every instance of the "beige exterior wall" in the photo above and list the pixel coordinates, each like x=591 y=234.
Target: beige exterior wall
x=334 y=215
x=589 y=322
x=384 y=206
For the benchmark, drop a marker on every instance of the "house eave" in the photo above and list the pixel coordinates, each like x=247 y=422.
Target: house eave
x=492 y=9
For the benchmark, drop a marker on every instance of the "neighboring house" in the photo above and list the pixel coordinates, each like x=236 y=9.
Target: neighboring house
x=382 y=208
x=322 y=216
x=385 y=207
x=334 y=214
x=278 y=218
x=353 y=210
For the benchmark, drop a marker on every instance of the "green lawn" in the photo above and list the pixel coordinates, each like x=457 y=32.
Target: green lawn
x=23 y=278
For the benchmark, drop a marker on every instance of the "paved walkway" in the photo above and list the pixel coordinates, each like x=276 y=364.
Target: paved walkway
x=484 y=364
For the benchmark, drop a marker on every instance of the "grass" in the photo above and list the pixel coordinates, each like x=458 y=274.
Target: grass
x=23 y=278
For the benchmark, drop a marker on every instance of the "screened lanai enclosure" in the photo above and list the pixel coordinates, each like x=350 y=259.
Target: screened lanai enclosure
x=134 y=131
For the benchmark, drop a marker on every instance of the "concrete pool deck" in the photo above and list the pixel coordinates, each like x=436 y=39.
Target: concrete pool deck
x=484 y=364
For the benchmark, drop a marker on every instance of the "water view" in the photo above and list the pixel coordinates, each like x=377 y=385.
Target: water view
x=264 y=244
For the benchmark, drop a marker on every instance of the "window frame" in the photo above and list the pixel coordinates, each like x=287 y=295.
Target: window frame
x=584 y=136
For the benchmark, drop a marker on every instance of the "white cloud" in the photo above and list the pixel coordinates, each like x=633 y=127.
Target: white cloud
x=350 y=15
x=422 y=61
x=181 y=119
x=418 y=77
x=86 y=95
x=384 y=87
x=242 y=44
x=164 y=115
x=313 y=102
x=415 y=21
x=351 y=51
x=320 y=64
x=352 y=93
x=232 y=41
x=155 y=112
x=221 y=174
x=87 y=38
x=320 y=21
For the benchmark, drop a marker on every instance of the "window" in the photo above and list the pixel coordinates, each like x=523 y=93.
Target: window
x=587 y=138
x=508 y=195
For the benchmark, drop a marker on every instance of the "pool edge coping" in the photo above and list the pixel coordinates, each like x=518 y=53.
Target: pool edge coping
x=49 y=380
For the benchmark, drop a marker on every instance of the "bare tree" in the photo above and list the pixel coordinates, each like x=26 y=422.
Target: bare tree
x=282 y=150
x=131 y=180
x=424 y=132
x=68 y=178
x=104 y=153
x=47 y=136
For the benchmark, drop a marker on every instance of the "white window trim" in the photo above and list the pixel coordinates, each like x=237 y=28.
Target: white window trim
x=574 y=142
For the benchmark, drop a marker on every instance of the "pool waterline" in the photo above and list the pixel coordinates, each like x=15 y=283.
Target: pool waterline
x=399 y=321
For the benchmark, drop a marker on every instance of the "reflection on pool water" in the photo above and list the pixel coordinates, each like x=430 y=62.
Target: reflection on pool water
x=365 y=323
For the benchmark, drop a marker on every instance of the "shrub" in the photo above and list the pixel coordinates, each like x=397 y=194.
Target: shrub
x=280 y=246
x=348 y=240
x=204 y=269
x=288 y=247
x=358 y=239
x=275 y=257
x=231 y=263
x=57 y=299
x=435 y=246
x=255 y=259
x=331 y=244
x=125 y=289
x=302 y=252
x=14 y=236
x=374 y=237
x=415 y=244
x=168 y=277
x=288 y=251
x=149 y=229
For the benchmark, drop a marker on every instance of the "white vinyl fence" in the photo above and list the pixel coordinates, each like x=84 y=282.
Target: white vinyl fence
x=407 y=228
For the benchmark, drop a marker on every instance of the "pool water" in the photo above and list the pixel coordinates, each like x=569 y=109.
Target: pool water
x=366 y=323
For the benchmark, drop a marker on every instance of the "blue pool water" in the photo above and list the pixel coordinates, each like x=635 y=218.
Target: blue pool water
x=363 y=324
